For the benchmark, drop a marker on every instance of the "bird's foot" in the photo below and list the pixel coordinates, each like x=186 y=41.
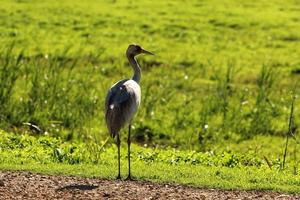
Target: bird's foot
x=119 y=177
x=129 y=178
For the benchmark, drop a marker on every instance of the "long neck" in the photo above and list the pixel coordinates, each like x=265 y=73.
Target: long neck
x=136 y=68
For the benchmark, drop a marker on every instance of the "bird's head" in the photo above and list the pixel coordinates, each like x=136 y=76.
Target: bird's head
x=134 y=50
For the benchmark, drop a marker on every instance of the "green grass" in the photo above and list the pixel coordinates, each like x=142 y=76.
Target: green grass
x=221 y=169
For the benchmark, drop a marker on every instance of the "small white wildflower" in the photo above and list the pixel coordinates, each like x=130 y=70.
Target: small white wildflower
x=245 y=102
x=152 y=113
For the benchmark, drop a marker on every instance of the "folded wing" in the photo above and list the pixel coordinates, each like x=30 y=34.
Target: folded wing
x=119 y=106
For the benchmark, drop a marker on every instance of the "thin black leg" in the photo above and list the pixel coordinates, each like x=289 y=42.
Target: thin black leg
x=119 y=164
x=128 y=142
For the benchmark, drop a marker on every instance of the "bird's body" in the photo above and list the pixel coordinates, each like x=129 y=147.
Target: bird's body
x=122 y=102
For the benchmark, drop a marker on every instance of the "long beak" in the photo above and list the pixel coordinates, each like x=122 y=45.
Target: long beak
x=147 y=52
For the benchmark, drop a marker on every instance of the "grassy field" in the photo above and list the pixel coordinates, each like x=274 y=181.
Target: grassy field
x=221 y=84
x=222 y=170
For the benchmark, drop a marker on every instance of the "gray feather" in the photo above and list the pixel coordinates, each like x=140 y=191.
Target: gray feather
x=120 y=105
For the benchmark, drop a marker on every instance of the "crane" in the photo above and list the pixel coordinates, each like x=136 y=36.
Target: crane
x=122 y=102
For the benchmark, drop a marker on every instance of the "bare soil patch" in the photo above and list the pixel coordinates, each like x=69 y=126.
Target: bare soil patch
x=27 y=185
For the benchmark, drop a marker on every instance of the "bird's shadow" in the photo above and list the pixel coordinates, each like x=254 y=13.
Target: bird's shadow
x=78 y=187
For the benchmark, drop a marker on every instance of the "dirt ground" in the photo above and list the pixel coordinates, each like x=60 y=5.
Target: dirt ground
x=26 y=185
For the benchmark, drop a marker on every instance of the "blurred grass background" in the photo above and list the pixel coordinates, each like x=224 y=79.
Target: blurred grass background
x=223 y=71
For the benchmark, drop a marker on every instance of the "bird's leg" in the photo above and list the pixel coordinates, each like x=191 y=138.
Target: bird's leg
x=119 y=168
x=128 y=142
